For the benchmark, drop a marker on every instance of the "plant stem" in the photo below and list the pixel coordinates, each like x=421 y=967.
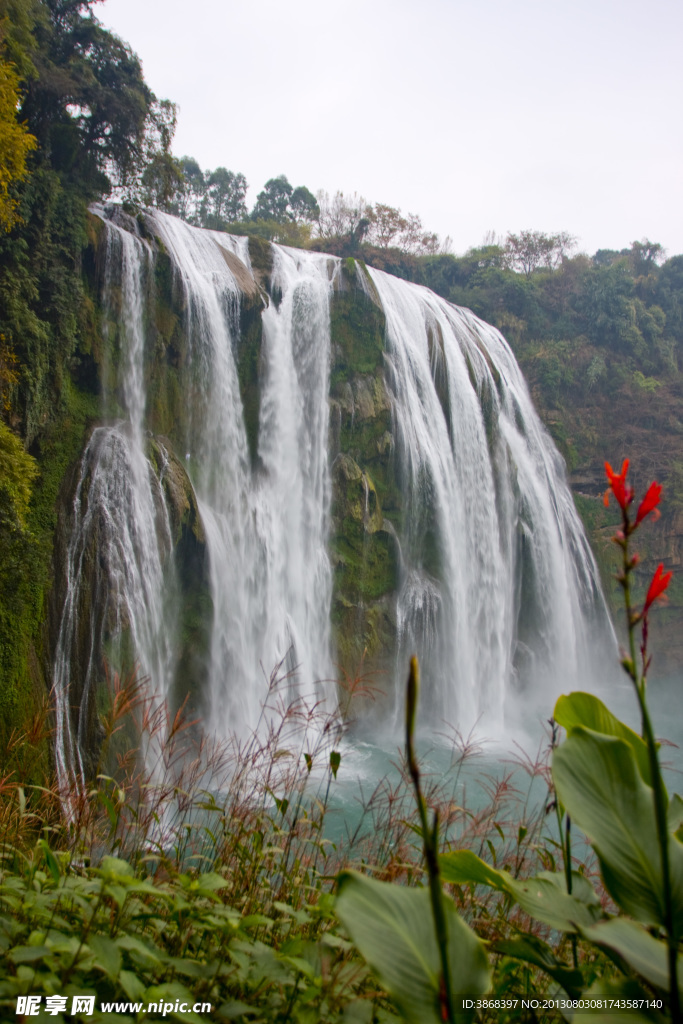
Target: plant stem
x=429 y=842
x=657 y=783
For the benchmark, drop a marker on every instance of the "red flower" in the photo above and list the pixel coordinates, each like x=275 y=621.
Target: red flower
x=649 y=502
x=617 y=484
x=657 y=587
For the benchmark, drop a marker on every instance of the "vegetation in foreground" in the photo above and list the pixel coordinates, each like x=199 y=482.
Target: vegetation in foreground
x=152 y=886
x=212 y=876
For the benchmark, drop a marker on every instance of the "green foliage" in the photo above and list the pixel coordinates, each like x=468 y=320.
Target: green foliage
x=281 y=203
x=286 y=232
x=599 y=783
x=17 y=473
x=543 y=897
x=162 y=175
x=530 y=250
x=585 y=709
x=392 y=928
x=88 y=104
x=224 y=197
x=608 y=781
x=25 y=560
x=127 y=935
x=15 y=144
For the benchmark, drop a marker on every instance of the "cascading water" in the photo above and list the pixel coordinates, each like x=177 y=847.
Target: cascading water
x=513 y=584
x=497 y=586
x=266 y=528
x=118 y=575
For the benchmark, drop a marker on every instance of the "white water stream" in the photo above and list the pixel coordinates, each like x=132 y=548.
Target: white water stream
x=498 y=589
x=515 y=601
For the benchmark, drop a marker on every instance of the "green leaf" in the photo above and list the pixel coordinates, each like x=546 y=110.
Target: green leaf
x=574 y=709
x=109 y=807
x=392 y=927
x=171 y=992
x=335 y=761
x=533 y=950
x=235 y=1009
x=640 y=950
x=132 y=985
x=115 y=869
x=51 y=860
x=28 y=954
x=598 y=781
x=107 y=954
x=675 y=815
x=544 y=897
x=619 y=988
x=134 y=945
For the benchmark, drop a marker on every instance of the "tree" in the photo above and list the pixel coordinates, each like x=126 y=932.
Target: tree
x=15 y=144
x=273 y=203
x=488 y=254
x=386 y=224
x=646 y=256
x=415 y=240
x=88 y=103
x=390 y=229
x=224 y=198
x=191 y=195
x=303 y=205
x=530 y=250
x=343 y=216
x=162 y=179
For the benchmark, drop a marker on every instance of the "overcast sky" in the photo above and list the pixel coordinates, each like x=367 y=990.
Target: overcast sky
x=476 y=114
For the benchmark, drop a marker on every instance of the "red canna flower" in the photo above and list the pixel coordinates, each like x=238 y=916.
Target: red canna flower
x=617 y=485
x=649 y=502
x=657 y=587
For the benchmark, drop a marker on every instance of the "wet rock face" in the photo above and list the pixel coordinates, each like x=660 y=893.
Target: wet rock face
x=97 y=639
x=366 y=499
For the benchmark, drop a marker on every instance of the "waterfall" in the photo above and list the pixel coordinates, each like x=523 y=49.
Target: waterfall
x=267 y=527
x=516 y=584
x=497 y=590
x=118 y=576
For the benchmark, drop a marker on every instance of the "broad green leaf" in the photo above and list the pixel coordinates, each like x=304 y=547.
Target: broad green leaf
x=544 y=898
x=115 y=869
x=132 y=985
x=597 y=780
x=644 y=953
x=392 y=927
x=107 y=954
x=608 y=988
x=585 y=709
x=299 y=964
x=675 y=815
x=132 y=944
x=118 y=893
x=172 y=992
x=234 y=1009
x=28 y=954
x=191 y=968
x=533 y=950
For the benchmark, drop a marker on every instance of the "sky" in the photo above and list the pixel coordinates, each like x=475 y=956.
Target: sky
x=478 y=115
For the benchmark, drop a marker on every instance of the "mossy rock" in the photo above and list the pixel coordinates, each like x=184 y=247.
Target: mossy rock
x=248 y=357
x=261 y=257
x=357 y=332
x=180 y=495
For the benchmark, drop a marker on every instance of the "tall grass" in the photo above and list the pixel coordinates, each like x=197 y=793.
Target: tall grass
x=224 y=864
